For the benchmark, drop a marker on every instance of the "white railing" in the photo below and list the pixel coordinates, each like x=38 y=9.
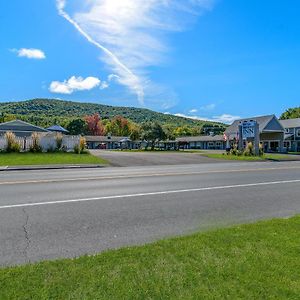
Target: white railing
x=46 y=142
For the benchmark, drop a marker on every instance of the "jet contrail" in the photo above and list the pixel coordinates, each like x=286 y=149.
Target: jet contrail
x=138 y=89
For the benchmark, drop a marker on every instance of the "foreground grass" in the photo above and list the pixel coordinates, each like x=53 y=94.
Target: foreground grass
x=21 y=159
x=267 y=156
x=233 y=157
x=256 y=261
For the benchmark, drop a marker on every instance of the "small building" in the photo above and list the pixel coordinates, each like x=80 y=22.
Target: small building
x=58 y=128
x=206 y=142
x=271 y=132
x=111 y=142
x=20 y=128
x=291 y=134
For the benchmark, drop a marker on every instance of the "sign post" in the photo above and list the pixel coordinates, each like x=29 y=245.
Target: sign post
x=241 y=139
x=249 y=130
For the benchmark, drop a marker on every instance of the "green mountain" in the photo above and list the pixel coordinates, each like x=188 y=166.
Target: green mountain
x=46 y=112
x=291 y=113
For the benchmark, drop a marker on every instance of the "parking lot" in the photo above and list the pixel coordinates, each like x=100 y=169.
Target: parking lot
x=128 y=158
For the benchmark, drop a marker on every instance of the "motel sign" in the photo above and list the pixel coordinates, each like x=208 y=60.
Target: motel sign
x=248 y=130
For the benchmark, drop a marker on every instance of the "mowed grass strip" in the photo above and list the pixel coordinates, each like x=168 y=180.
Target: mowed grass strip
x=25 y=159
x=276 y=157
x=256 y=261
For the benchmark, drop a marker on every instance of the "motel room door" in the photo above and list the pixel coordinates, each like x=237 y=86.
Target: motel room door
x=274 y=146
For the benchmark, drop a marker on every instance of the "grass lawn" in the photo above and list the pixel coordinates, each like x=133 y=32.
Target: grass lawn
x=249 y=158
x=255 y=261
x=19 y=159
x=232 y=157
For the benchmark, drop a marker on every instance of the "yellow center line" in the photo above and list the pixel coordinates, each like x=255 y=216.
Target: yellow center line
x=138 y=175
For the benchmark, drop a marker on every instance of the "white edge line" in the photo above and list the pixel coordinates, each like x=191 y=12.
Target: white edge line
x=150 y=194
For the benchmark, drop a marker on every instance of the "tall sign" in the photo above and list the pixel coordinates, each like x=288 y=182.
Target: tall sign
x=249 y=130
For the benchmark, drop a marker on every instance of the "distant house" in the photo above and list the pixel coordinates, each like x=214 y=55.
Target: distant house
x=20 y=128
x=58 y=128
x=271 y=132
x=212 y=142
x=291 y=134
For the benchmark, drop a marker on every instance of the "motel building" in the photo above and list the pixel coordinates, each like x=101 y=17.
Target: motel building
x=271 y=132
x=275 y=135
x=209 y=142
x=291 y=134
x=271 y=135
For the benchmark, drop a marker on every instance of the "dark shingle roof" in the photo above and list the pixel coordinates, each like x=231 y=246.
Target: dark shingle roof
x=201 y=138
x=20 y=126
x=57 y=128
x=103 y=139
x=290 y=123
x=263 y=121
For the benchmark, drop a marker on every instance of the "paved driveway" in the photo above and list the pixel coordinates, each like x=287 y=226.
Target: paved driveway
x=127 y=158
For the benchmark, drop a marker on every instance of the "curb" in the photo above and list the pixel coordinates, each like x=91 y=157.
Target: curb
x=38 y=168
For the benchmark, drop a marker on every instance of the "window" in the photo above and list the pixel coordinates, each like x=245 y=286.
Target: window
x=218 y=145
x=211 y=145
x=287 y=144
x=298 y=132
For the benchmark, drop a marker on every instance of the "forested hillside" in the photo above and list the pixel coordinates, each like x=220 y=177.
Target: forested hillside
x=46 y=112
x=291 y=113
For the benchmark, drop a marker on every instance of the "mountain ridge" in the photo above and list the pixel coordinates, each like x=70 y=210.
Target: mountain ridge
x=36 y=110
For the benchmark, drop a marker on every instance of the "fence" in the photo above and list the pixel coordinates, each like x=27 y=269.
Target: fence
x=46 y=142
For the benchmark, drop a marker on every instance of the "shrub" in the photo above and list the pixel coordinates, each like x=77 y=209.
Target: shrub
x=76 y=149
x=59 y=140
x=261 y=149
x=234 y=150
x=11 y=143
x=81 y=146
x=35 y=147
x=249 y=151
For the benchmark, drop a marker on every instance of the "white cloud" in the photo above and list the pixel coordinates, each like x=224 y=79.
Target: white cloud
x=193 y=111
x=30 y=53
x=104 y=85
x=131 y=33
x=74 y=84
x=191 y=117
x=225 y=118
x=208 y=107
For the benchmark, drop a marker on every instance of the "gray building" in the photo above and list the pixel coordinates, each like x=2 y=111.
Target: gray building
x=20 y=128
x=291 y=134
x=111 y=142
x=213 y=142
x=271 y=132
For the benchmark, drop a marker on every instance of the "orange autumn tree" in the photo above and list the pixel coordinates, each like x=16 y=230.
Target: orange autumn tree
x=95 y=125
x=120 y=126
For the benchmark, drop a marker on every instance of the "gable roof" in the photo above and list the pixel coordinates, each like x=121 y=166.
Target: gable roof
x=57 y=128
x=290 y=123
x=266 y=124
x=20 y=126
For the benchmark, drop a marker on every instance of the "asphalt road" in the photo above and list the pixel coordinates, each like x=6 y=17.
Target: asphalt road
x=67 y=213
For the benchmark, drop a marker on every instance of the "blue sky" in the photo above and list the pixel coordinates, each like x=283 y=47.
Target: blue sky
x=212 y=59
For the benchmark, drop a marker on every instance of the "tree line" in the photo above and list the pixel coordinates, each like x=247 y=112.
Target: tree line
x=120 y=126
